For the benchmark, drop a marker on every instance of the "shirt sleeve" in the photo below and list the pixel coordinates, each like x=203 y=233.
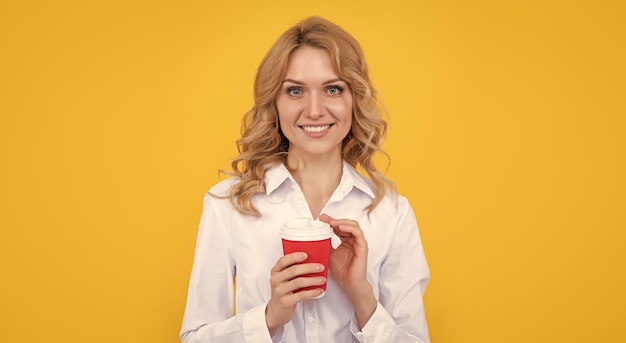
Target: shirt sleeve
x=399 y=315
x=209 y=313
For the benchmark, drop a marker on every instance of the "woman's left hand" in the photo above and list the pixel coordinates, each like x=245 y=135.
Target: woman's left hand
x=348 y=262
x=348 y=266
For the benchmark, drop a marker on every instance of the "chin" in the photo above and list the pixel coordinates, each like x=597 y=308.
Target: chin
x=318 y=151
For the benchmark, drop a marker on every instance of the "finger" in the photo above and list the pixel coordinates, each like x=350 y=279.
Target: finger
x=308 y=294
x=341 y=234
x=280 y=279
x=350 y=230
x=335 y=223
x=302 y=269
x=325 y=218
x=346 y=228
x=289 y=286
x=305 y=281
x=288 y=260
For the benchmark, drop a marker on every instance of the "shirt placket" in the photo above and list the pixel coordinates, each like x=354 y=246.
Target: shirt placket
x=311 y=329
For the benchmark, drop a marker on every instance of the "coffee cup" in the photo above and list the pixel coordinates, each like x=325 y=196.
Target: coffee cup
x=312 y=237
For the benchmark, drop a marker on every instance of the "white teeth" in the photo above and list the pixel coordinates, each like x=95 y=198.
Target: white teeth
x=315 y=128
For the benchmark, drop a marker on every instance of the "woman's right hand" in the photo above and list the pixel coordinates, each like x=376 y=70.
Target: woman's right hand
x=286 y=277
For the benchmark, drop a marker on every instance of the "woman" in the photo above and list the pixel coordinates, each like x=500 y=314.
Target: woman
x=314 y=121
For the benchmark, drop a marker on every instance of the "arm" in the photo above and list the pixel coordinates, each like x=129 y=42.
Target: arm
x=210 y=300
x=399 y=315
x=348 y=265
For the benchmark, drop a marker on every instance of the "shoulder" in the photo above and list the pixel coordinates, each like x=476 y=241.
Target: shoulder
x=222 y=188
x=217 y=198
x=219 y=194
x=393 y=205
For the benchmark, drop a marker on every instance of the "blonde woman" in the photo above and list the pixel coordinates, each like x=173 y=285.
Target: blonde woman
x=315 y=121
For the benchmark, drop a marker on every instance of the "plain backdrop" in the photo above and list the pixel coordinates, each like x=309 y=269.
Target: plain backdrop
x=507 y=123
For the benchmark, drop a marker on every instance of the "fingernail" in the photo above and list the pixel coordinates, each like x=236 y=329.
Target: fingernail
x=322 y=280
x=320 y=267
x=303 y=256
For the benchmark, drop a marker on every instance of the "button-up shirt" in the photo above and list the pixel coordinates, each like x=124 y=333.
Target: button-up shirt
x=229 y=286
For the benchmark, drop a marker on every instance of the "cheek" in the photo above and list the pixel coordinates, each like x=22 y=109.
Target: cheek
x=342 y=108
x=286 y=118
x=287 y=110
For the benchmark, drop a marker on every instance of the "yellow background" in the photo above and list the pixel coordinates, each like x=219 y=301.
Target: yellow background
x=507 y=136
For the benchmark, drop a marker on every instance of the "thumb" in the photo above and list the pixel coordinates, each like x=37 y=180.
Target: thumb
x=325 y=218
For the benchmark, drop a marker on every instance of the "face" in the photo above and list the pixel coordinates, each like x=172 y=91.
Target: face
x=314 y=105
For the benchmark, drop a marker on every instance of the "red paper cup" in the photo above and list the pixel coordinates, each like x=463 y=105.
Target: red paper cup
x=312 y=237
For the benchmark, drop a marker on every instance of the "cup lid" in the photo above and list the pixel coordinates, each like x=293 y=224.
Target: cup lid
x=305 y=229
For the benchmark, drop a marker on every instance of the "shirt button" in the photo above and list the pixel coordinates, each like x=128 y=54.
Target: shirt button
x=311 y=319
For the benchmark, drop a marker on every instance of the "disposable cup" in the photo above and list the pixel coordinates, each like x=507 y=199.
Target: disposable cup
x=312 y=237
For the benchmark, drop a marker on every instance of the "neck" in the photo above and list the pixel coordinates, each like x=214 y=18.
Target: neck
x=318 y=171
x=318 y=177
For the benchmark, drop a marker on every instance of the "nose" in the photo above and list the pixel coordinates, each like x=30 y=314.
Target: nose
x=314 y=106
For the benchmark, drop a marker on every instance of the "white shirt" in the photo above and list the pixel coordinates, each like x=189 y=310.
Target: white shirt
x=230 y=244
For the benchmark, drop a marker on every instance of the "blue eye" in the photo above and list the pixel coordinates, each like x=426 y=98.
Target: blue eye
x=334 y=90
x=294 y=91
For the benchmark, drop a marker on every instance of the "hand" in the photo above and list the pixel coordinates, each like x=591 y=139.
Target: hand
x=348 y=266
x=286 y=277
x=348 y=262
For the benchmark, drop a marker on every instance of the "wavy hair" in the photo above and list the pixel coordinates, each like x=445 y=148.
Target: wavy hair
x=263 y=144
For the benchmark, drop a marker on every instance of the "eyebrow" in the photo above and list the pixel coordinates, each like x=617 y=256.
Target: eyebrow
x=302 y=83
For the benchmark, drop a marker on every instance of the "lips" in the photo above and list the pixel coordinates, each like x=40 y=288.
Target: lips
x=315 y=128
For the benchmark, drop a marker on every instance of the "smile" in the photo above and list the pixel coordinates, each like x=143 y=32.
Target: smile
x=314 y=129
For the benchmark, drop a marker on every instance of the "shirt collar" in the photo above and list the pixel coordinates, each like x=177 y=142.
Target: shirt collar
x=275 y=176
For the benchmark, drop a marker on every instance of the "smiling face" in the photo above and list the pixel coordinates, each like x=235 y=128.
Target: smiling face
x=314 y=105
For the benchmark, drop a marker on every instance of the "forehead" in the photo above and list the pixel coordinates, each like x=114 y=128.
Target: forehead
x=309 y=62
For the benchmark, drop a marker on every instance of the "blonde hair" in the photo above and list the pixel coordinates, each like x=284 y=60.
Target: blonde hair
x=262 y=143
